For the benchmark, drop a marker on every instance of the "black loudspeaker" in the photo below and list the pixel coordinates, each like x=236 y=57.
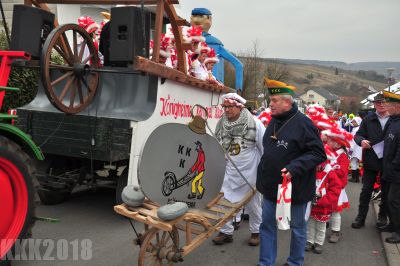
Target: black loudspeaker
x=129 y=36
x=30 y=27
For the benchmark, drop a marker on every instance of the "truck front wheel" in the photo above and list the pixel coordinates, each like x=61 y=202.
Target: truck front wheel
x=17 y=204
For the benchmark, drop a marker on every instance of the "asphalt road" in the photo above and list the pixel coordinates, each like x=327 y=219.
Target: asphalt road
x=89 y=216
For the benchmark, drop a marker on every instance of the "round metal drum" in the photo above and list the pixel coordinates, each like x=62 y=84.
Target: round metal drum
x=179 y=165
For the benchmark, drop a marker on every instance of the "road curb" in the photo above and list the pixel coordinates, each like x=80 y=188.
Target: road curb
x=392 y=251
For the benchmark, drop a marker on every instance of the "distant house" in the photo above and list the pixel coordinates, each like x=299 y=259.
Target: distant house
x=320 y=96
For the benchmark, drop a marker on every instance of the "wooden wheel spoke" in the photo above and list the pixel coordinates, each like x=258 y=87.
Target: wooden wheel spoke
x=63 y=55
x=60 y=56
x=82 y=50
x=158 y=237
x=163 y=237
x=75 y=45
x=63 y=67
x=66 y=45
x=87 y=59
x=66 y=88
x=58 y=80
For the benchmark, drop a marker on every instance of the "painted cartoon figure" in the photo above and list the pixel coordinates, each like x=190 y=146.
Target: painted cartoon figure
x=198 y=170
x=195 y=174
x=203 y=17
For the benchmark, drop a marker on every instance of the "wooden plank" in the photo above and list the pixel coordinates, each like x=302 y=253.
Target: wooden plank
x=182 y=226
x=158 y=26
x=188 y=233
x=182 y=64
x=205 y=214
x=104 y=2
x=215 y=200
x=153 y=68
x=181 y=22
x=226 y=203
x=136 y=215
x=220 y=210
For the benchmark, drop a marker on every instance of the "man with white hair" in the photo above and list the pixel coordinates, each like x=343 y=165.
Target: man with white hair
x=292 y=146
x=240 y=135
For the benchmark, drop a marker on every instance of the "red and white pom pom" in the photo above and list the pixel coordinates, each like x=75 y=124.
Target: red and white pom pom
x=339 y=135
x=165 y=46
x=203 y=48
x=319 y=117
x=195 y=34
x=211 y=57
x=265 y=116
x=88 y=24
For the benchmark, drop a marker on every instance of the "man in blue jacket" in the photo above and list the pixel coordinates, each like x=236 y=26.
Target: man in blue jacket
x=391 y=164
x=369 y=134
x=292 y=146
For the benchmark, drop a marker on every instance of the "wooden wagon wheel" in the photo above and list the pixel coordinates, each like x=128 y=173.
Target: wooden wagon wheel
x=160 y=248
x=67 y=62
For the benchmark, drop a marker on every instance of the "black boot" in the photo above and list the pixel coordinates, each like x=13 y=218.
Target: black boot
x=355 y=176
x=382 y=220
x=358 y=223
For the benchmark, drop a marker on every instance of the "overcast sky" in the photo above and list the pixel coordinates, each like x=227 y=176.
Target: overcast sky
x=340 y=30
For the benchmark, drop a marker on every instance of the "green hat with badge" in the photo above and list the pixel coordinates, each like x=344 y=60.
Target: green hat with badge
x=391 y=97
x=278 y=87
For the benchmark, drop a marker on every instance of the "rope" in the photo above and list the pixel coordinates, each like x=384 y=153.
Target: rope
x=136 y=233
x=225 y=152
x=54 y=132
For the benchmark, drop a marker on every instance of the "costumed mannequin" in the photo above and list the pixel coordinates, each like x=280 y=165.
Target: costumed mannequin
x=240 y=135
x=203 y=17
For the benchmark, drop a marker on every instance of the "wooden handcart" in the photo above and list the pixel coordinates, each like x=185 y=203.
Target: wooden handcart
x=160 y=243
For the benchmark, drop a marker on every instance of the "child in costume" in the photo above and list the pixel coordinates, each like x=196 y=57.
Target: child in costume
x=328 y=188
x=210 y=61
x=339 y=140
x=198 y=69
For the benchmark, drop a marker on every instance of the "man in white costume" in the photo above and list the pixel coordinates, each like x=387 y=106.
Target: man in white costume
x=240 y=135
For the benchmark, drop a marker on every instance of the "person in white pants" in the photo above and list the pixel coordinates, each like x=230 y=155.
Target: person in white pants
x=240 y=135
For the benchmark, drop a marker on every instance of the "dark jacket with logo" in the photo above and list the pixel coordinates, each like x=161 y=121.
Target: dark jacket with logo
x=370 y=129
x=298 y=148
x=391 y=152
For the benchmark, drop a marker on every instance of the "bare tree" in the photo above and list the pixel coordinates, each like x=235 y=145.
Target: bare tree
x=277 y=70
x=255 y=68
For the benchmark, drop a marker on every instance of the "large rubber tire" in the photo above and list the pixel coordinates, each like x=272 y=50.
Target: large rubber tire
x=17 y=190
x=122 y=181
